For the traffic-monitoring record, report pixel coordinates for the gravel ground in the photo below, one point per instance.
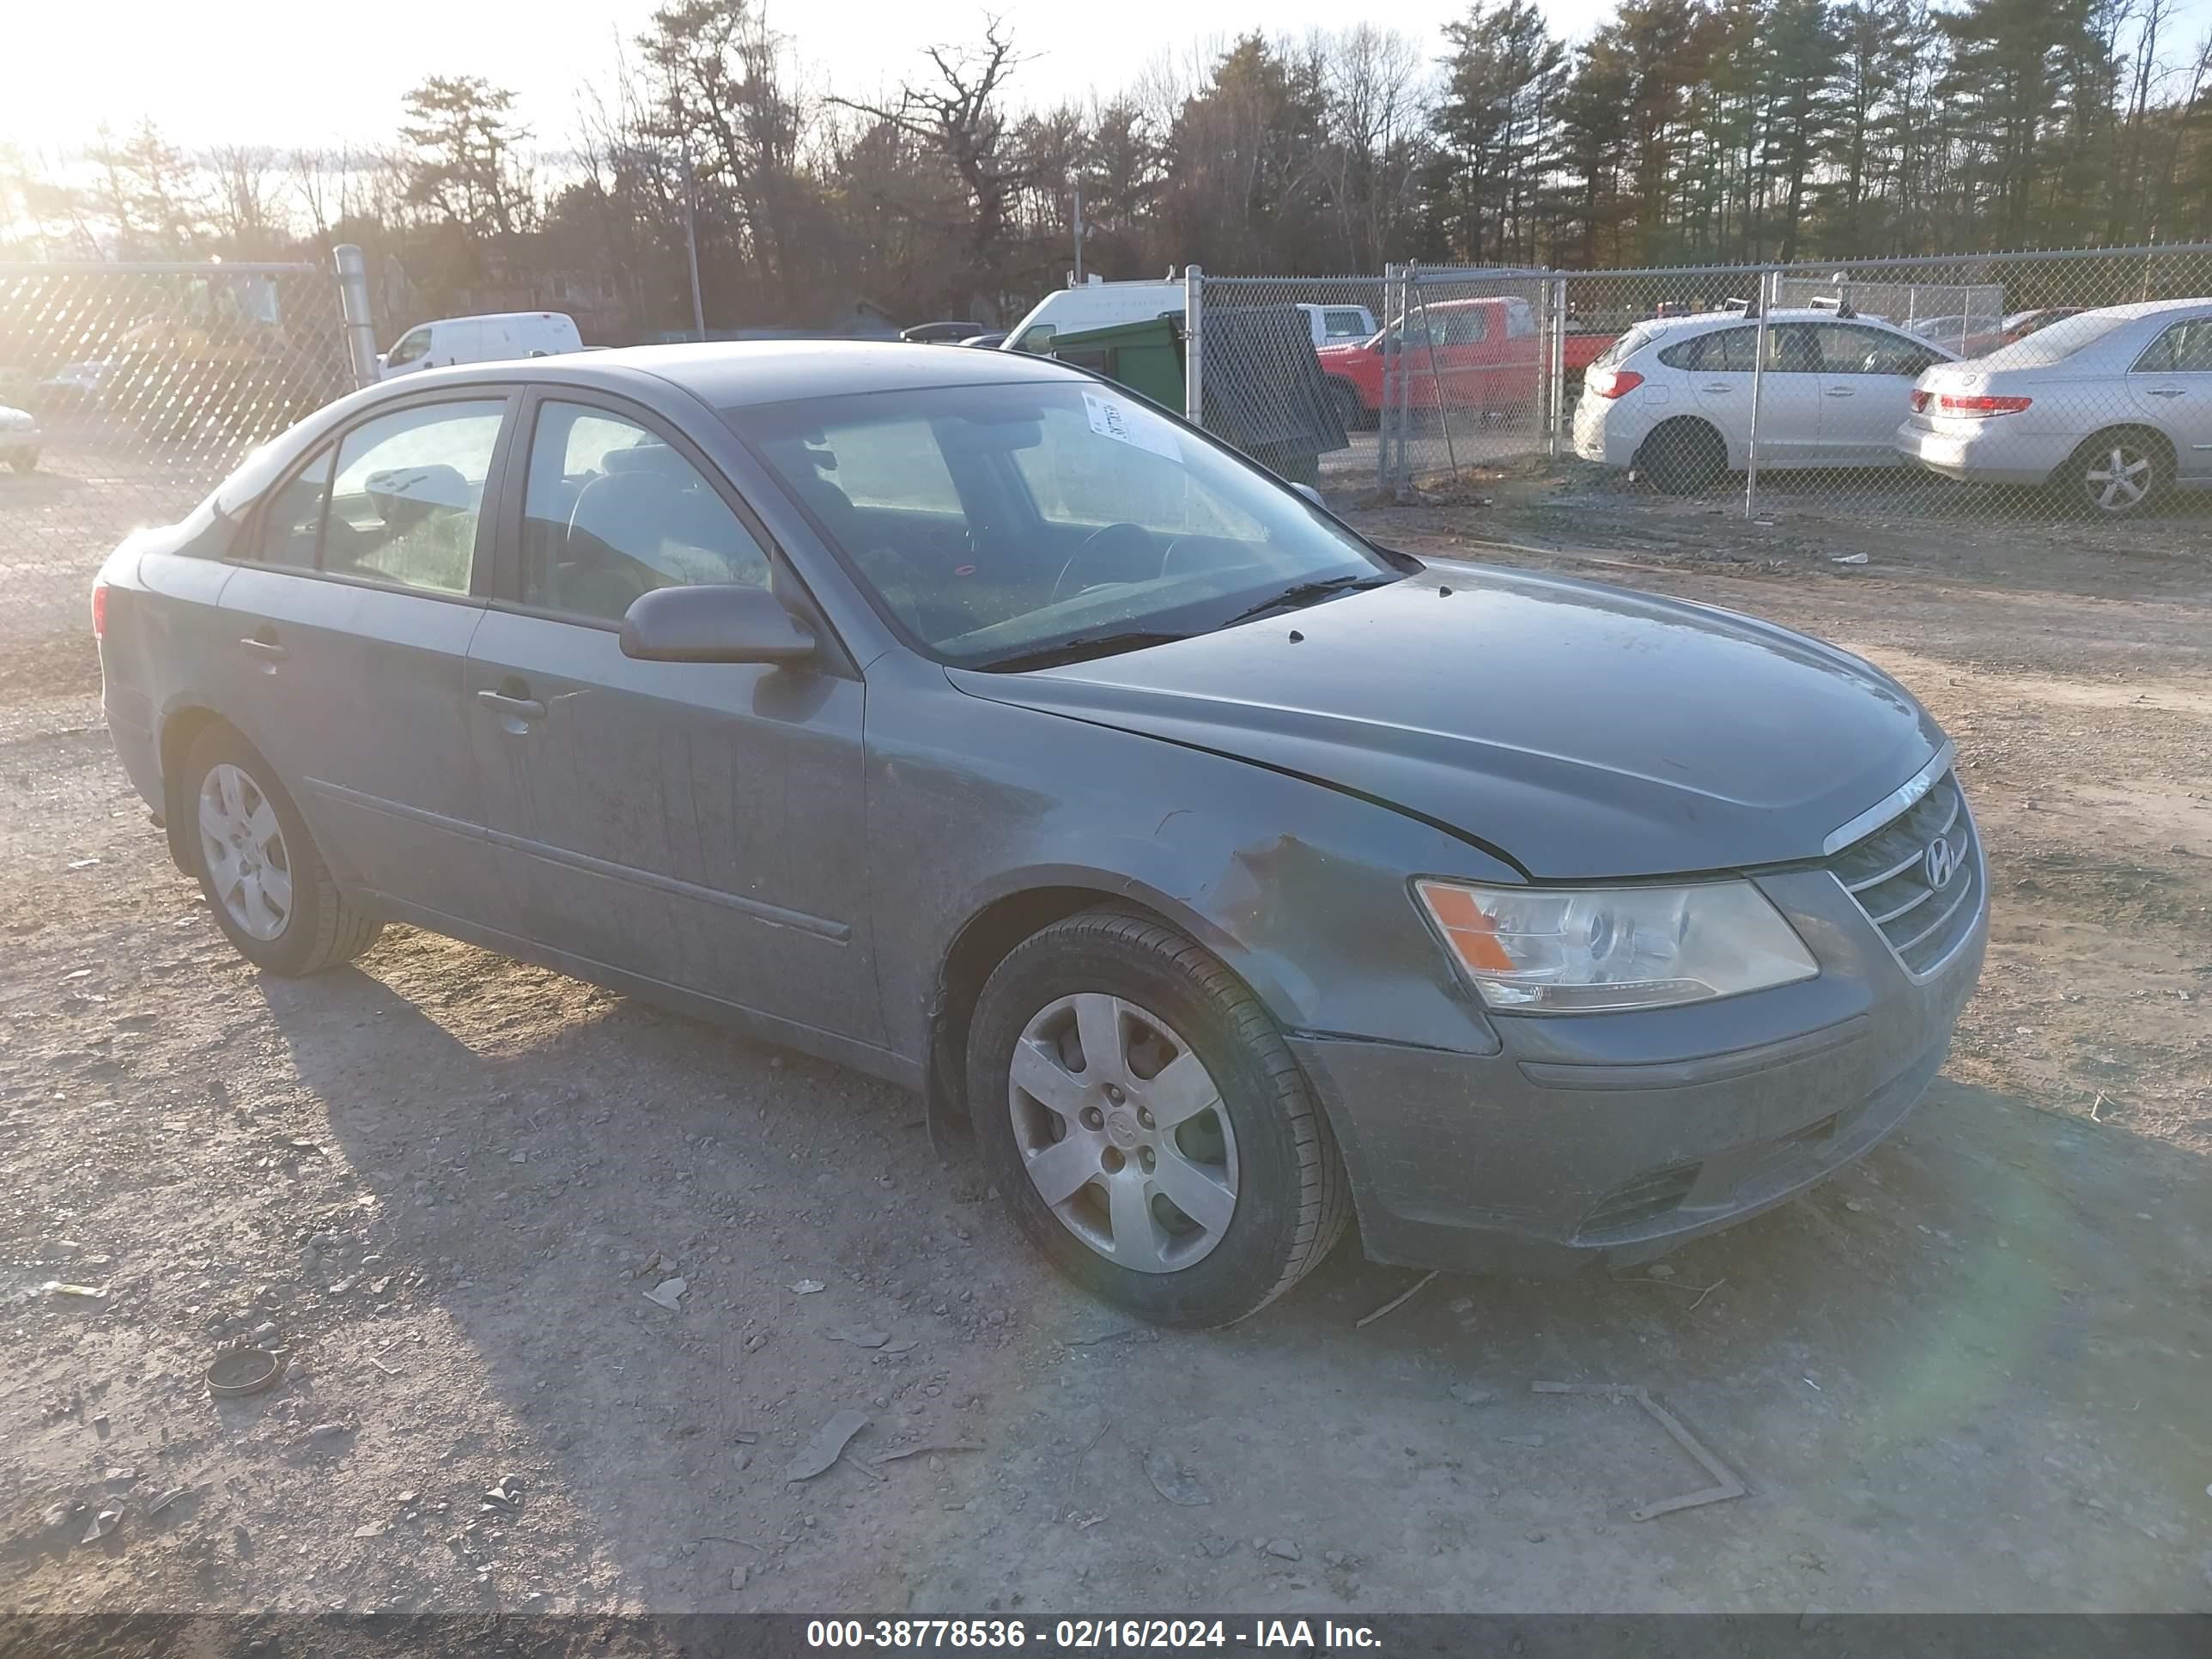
(1970, 1373)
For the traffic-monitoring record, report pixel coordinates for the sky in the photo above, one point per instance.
(331, 72)
(328, 72)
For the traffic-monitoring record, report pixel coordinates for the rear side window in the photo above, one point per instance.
(1635, 340)
(2184, 349)
(1720, 351)
(1685, 354)
(2056, 342)
(292, 519)
(1338, 324)
(408, 493)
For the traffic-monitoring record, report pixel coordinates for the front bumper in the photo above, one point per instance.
(1617, 1137)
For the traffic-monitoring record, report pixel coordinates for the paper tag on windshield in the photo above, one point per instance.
(1110, 419)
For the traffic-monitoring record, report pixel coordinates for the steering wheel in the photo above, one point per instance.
(1128, 543)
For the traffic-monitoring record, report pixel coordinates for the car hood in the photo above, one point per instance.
(1579, 731)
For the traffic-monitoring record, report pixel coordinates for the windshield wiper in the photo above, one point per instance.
(1304, 593)
(1079, 649)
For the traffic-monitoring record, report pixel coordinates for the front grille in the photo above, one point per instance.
(1650, 1196)
(1888, 872)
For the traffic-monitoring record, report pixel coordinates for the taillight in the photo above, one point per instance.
(1613, 382)
(99, 610)
(1920, 400)
(1980, 408)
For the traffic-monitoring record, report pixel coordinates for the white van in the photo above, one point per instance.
(493, 339)
(1103, 304)
(1094, 305)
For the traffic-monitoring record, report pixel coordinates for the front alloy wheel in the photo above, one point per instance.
(1122, 1132)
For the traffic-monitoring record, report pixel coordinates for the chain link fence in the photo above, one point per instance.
(1970, 390)
(129, 391)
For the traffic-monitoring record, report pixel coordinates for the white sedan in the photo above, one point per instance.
(1672, 397)
(2114, 406)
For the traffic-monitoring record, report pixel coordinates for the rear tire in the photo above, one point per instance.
(272, 894)
(1683, 457)
(1344, 398)
(2120, 474)
(1277, 1199)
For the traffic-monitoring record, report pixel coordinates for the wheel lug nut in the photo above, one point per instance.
(1114, 1094)
(1144, 1117)
(1093, 1118)
(1145, 1157)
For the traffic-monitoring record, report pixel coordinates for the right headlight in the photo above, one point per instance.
(1588, 949)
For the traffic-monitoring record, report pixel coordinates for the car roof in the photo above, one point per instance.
(734, 375)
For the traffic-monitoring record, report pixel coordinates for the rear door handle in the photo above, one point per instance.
(521, 708)
(1842, 392)
(267, 649)
(2166, 391)
(1723, 387)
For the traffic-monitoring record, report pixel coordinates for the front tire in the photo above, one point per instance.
(272, 894)
(2119, 474)
(1149, 1129)
(1350, 414)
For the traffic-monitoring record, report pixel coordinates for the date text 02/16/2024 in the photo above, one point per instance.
(1085, 1635)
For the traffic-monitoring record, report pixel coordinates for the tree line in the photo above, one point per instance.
(1679, 131)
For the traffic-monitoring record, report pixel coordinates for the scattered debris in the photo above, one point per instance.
(373, 1529)
(1659, 1270)
(1849, 558)
(1725, 1484)
(828, 1444)
(328, 1431)
(917, 1451)
(76, 1292)
(1283, 1549)
(668, 1294)
(1176, 1481)
(858, 1335)
(239, 1371)
(1395, 1302)
(102, 1524)
(806, 1287)
(1531, 1441)
(387, 1370)
(57, 1516)
(1468, 1394)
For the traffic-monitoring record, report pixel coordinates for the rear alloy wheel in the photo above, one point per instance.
(1147, 1124)
(1682, 457)
(272, 894)
(2117, 475)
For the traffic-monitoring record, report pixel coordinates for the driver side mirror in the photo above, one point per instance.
(726, 623)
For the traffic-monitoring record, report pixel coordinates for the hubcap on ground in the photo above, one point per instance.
(2118, 479)
(248, 862)
(1123, 1133)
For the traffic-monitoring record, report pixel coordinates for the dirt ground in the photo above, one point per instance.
(1970, 1373)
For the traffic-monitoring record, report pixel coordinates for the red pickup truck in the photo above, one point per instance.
(1484, 355)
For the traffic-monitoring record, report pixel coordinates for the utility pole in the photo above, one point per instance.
(1078, 235)
(691, 244)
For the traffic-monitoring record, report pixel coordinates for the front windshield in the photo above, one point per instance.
(1017, 525)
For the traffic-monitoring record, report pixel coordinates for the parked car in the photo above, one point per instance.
(19, 439)
(1484, 355)
(1672, 397)
(946, 334)
(975, 724)
(989, 341)
(2112, 406)
(1095, 304)
(73, 383)
(494, 337)
(1336, 325)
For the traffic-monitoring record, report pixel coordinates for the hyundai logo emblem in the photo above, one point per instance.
(1940, 862)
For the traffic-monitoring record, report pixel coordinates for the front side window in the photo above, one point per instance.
(1468, 327)
(611, 511)
(408, 493)
(292, 517)
(1791, 347)
(1081, 520)
(412, 346)
(1038, 338)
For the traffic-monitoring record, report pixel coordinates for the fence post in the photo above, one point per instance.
(1770, 285)
(1193, 344)
(1559, 364)
(353, 305)
(1401, 470)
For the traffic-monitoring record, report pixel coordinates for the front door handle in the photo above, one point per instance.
(268, 650)
(1716, 388)
(1841, 392)
(520, 708)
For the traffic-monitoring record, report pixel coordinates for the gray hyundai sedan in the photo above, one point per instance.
(962, 719)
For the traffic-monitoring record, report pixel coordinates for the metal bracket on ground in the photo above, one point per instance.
(1727, 1485)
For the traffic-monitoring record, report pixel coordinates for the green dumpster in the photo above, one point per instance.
(1147, 357)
